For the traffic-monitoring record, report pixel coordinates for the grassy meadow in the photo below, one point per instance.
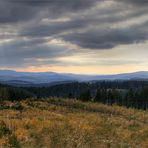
(58, 123)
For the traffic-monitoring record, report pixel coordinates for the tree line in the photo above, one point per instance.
(13, 93)
(129, 98)
(125, 93)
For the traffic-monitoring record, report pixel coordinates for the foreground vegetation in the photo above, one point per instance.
(58, 123)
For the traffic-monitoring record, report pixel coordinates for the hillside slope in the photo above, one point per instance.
(69, 123)
(47, 78)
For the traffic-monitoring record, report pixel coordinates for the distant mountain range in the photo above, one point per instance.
(51, 78)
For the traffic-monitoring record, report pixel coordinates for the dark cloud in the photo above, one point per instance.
(21, 51)
(60, 4)
(26, 26)
(12, 13)
(105, 37)
(21, 10)
(32, 48)
(79, 23)
(108, 38)
(50, 29)
(135, 2)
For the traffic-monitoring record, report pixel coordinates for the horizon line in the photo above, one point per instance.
(69, 72)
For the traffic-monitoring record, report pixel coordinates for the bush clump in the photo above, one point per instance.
(4, 130)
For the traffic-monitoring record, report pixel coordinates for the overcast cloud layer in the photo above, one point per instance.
(42, 32)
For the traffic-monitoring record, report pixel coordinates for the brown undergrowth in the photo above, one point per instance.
(58, 123)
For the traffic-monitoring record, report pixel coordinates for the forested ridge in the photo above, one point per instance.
(125, 93)
(13, 93)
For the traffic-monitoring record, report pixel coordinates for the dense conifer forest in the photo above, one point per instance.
(125, 93)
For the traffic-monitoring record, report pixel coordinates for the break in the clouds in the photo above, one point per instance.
(73, 33)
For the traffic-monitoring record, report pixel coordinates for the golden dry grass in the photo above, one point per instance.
(57, 123)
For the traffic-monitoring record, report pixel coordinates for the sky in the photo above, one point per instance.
(74, 36)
